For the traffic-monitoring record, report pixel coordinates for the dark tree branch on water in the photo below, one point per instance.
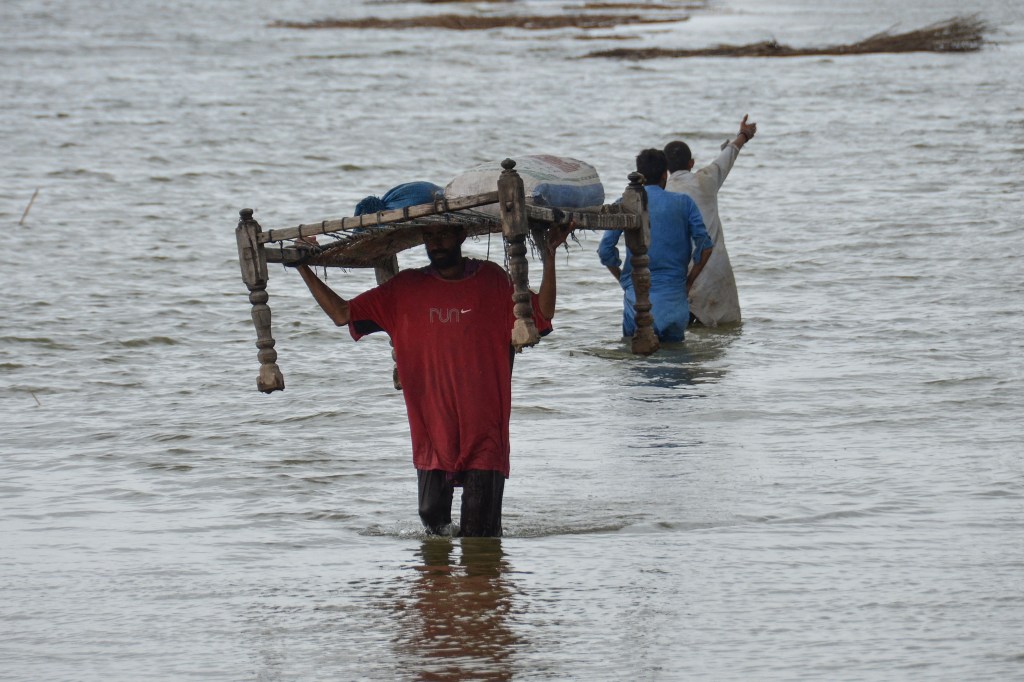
(960, 34)
(467, 22)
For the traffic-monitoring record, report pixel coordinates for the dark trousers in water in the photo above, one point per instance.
(481, 501)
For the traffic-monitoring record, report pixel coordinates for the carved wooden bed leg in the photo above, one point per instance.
(515, 227)
(634, 200)
(383, 272)
(253, 260)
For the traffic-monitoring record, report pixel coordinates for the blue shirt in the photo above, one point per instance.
(677, 235)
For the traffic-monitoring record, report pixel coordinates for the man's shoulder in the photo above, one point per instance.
(677, 197)
(657, 193)
(487, 270)
(487, 266)
(680, 178)
(406, 277)
(474, 268)
(401, 284)
(681, 182)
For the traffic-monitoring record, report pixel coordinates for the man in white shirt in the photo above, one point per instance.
(713, 296)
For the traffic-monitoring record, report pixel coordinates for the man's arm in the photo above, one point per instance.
(701, 242)
(720, 167)
(335, 306)
(746, 134)
(697, 267)
(609, 253)
(556, 236)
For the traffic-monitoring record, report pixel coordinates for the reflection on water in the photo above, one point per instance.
(685, 365)
(454, 618)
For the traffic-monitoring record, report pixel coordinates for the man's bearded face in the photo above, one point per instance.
(444, 245)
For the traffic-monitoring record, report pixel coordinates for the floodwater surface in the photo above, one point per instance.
(831, 490)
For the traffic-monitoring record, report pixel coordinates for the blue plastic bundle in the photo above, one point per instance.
(400, 196)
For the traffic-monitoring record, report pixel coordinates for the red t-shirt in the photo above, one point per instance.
(452, 341)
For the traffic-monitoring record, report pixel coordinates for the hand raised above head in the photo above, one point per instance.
(747, 130)
(558, 234)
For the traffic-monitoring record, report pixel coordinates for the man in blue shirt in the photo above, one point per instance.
(677, 234)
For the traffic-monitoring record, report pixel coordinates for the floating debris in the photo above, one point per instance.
(28, 208)
(638, 6)
(572, 8)
(466, 22)
(960, 34)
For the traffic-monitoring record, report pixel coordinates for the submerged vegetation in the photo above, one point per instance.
(960, 34)
(468, 22)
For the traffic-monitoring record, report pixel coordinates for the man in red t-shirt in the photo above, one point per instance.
(450, 323)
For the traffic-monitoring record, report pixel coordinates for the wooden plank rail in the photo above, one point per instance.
(586, 219)
(334, 254)
(352, 249)
(397, 215)
(607, 217)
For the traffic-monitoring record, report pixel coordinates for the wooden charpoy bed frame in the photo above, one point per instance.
(373, 240)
